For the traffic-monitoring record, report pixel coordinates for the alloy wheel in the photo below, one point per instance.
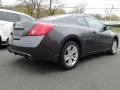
(114, 47)
(71, 55)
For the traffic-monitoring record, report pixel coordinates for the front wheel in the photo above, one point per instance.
(69, 55)
(114, 47)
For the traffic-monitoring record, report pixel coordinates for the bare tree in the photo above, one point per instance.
(98, 16)
(53, 6)
(79, 9)
(109, 12)
(33, 6)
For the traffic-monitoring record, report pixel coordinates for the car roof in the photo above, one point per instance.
(10, 11)
(62, 16)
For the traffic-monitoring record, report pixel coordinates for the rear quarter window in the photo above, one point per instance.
(61, 19)
(25, 18)
(81, 21)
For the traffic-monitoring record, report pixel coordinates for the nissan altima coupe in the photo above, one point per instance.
(62, 39)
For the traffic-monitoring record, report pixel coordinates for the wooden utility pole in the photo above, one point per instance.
(50, 7)
(1, 6)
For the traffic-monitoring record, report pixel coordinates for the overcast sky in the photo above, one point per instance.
(9, 2)
(89, 4)
(94, 3)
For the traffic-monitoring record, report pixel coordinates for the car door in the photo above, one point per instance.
(86, 36)
(98, 39)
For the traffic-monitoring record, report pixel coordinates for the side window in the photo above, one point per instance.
(81, 21)
(6, 16)
(25, 18)
(94, 24)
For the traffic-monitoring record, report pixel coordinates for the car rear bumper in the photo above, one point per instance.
(19, 53)
(38, 53)
(34, 47)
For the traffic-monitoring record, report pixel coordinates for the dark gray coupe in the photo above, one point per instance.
(62, 39)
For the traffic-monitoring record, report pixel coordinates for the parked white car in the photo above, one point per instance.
(7, 19)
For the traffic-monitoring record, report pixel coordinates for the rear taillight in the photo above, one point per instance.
(40, 29)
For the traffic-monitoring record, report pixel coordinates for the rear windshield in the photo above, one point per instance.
(53, 17)
(61, 19)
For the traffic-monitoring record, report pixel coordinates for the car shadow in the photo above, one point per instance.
(36, 66)
(3, 47)
(48, 67)
(94, 56)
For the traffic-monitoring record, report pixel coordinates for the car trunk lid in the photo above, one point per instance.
(21, 29)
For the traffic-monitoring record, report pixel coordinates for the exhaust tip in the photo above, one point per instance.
(30, 58)
(10, 51)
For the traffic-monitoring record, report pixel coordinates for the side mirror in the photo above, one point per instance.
(105, 28)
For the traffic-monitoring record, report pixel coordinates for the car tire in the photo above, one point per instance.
(7, 42)
(113, 48)
(69, 56)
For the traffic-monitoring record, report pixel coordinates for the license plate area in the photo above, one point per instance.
(17, 34)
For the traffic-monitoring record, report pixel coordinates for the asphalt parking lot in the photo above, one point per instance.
(97, 72)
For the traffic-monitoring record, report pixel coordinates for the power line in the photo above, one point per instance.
(92, 8)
